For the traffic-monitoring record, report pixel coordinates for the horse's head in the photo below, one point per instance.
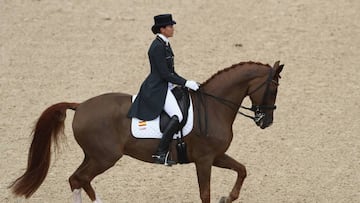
(262, 92)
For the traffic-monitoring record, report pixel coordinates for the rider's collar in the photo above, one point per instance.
(165, 39)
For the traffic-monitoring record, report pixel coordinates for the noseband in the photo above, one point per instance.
(259, 110)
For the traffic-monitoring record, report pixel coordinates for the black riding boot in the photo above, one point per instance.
(162, 153)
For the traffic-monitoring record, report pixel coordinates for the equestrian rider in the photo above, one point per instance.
(155, 92)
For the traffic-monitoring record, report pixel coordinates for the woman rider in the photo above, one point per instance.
(155, 92)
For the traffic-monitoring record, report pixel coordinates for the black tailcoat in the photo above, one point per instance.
(151, 98)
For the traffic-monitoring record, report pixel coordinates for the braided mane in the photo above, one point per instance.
(232, 67)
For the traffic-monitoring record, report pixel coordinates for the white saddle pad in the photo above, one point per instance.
(151, 129)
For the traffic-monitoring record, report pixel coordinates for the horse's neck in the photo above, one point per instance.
(232, 86)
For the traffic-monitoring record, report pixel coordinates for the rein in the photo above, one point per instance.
(230, 104)
(258, 109)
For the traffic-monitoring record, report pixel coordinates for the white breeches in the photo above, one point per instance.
(171, 106)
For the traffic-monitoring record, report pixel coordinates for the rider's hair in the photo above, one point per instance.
(156, 29)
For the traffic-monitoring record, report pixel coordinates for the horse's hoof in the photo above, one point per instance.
(225, 200)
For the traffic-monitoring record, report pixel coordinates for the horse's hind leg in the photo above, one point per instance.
(75, 183)
(226, 161)
(87, 171)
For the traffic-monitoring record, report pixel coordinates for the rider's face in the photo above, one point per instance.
(167, 31)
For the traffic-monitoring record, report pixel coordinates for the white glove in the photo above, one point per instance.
(192, 85)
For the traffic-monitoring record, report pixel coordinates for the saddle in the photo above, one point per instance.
(182, 97)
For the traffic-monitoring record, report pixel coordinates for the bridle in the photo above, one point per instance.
(259, 109)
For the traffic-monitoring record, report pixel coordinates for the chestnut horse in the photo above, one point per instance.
(102, 129)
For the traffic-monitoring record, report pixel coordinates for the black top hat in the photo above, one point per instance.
(162, 21)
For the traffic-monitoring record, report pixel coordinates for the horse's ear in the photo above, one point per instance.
(276, 65)
(278, 68)
(278, 71)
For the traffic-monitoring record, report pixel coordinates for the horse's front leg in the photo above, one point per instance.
(203, 170)
(226, 161)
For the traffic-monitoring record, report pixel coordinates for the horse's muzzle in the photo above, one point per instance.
(262, 120)
(264, 125)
